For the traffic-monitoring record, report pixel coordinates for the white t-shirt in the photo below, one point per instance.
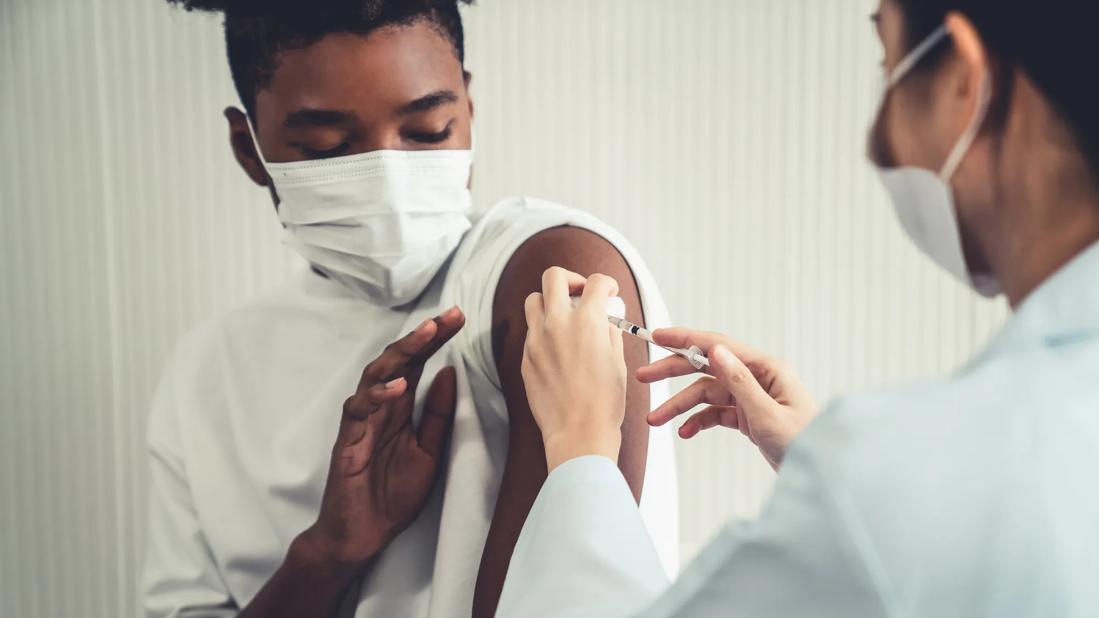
(244, 420)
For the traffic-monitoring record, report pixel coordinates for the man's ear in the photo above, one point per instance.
(244, 149)
(468, 77)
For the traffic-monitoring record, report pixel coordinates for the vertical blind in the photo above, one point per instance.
(724, 137)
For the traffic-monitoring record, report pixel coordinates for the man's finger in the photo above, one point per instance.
(449, 323)
(414, 369)
(397, 354)
(705, 390)
(361, 405)
(439, 406)
(414, 348)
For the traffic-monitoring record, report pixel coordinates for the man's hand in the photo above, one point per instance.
(381, 473)
(383, 468)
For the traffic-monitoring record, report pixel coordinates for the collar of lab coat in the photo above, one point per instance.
(1063, 310)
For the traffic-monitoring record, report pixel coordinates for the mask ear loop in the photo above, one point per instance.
(255, 141)
(905, 66)
(984, 101)
(899, 72)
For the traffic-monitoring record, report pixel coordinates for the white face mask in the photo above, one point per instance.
(924, 201)
(381, 223)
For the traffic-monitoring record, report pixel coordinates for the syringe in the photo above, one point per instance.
(616, 310)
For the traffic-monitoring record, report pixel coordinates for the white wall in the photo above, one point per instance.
(723, 136)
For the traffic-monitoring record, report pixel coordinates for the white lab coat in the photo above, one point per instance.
(973, 496)
(244, 420)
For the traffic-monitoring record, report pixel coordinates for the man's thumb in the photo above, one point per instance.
(438, 413)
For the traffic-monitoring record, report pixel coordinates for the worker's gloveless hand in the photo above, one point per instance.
(383, 468)
(573, 367)
(746, 390)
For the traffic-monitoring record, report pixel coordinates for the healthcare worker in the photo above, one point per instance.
(974, 495)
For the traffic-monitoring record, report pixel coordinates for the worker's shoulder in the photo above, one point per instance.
(1017, 390)
(938, 477)
(966, 441)
(926, 431)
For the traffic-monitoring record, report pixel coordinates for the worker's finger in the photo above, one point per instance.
(597, 291)
(669, 367)
(735, 376)
(557, 285)
(713, 416)
(438, 412)
(685, 338)
(617, 345)
(706, 390)
(535, 311)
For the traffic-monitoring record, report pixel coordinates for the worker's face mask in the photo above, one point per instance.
(382, 223)
(924, 201)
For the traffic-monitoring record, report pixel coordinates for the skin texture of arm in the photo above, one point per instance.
(586, 253)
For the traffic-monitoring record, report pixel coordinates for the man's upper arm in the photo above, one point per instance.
(586, 253)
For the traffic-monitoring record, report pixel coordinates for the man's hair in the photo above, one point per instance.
(257, 31)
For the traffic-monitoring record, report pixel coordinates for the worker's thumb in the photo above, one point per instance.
(735, 376)
(438, 413)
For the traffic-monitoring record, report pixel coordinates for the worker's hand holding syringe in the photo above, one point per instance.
(575, 376)
(745, 390)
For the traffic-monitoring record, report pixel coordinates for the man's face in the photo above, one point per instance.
(399, 88)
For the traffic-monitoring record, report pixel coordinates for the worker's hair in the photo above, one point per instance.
(257, 31)
(1052, 42)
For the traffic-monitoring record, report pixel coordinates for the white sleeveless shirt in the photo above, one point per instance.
(244, 419)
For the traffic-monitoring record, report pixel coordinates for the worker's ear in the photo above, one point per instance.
(971, 72)
(244, 149)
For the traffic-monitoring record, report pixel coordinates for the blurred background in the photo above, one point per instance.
(724, 137)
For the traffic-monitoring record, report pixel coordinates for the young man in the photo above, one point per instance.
(357, 119)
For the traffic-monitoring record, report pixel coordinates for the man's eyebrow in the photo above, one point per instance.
(309, 117)
(428, 102)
